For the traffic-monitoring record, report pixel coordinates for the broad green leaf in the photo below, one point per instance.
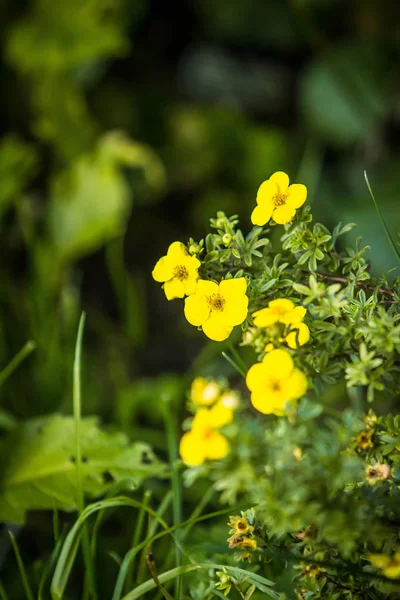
(40, 472)
(91, 201)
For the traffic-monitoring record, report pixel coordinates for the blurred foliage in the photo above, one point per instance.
(123, 127)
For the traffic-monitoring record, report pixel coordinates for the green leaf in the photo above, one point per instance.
(91, 201)
(40, 472)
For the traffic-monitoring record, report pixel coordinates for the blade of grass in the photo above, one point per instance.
(21, 568)
(16, 361)
(119, 586)
(171, 426)
(395, 249)
(3, 593)
(237, 357)
(71, 544)
(138, 533)
(89, 583)
(233, 364)
(261, 583)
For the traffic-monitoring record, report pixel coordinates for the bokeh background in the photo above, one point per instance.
(125, 125)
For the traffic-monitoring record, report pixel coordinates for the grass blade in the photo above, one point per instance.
(3, 593)
(71, 544)
(16, 361)
(21, 567)
(392, 243)
(145, 587)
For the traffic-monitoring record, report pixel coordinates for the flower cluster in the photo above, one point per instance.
(243, 534)
(281, 322)
(214, 408)
(275, 383)
(217, 308)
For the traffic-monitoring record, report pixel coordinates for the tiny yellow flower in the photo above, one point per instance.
(274, 382)
(269, 347)
(390, 566)
(277, 199)
(178, 271)
(204, 392)
(298, 336)
(239, 526)
(281, 310)
(218, 308)
(230, 399)
(202, 442)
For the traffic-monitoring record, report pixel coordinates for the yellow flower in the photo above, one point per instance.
(269, 347)
(277, 199)
(239, 526)
(281, 310)
(178, 271)
(204, 392)
(298, 336)
(202, 442)
(274, 382)
(218, 308)
(390, 566)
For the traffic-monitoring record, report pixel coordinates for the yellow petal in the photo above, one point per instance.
(299, 336)
(278, 364)
(281, 180)
(255, 377)
(177, 251)
(201, 422)
(163, 271)
(207, 288)
(295, 386)
(217, 446)
(281, 305)
(190, 285)
(266, 192)
(215, 327)
(174, 289)
(268, 402)
(265, 317)
(261, 214)
(220, 415)
(191, 449)
(296, 195)
(196, 309)
(294, 316)
(235, 310)
(231, 288)
(283, 214)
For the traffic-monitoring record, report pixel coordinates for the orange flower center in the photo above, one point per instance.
(276, 386)
(180, 272)
(279, 199)
(216, 302)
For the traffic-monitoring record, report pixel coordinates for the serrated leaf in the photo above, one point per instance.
(40, 471)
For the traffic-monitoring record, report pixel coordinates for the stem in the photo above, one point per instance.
(21, 567)
(151, 565)
(16, 361)
(89, 586)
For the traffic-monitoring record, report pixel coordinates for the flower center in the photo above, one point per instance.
(216, 302)
(279, 199)
(180, 272)
(276, 386)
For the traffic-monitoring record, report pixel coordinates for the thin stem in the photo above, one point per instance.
(237, 356)
(3, 593)
(16, 361)
(388, 234)
(151, 565)
(89, 588)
